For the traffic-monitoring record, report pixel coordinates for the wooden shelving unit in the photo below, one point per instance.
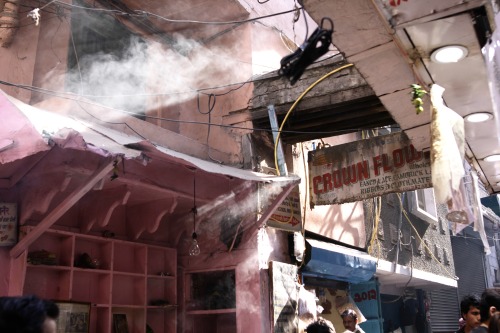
(210, 300)
(135, 279)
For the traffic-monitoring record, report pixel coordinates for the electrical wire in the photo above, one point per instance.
(47, 4)
(110, 122)
(76, 57)
(429, 251)
(211, 105)
(76, 98)
(142, 13)
(407, 282)
(377, 203)
(293, 107)
(192, 91)
(306, 192)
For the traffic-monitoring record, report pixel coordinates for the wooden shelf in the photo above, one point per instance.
(127, 306)
(91, 270)
(162, 307)
(126, 280)
(104, 306)
(115, 273)
(49, 267)
(205, 312)
(159, 277)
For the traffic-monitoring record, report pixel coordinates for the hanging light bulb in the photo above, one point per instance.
(194, 248)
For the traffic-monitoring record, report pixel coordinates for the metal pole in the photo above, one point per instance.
(274, 126)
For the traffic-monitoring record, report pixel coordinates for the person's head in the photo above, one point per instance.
(350, 319)
(320, 326)
(490, 303)
(469, 309)
(27, 314)
(494, 326)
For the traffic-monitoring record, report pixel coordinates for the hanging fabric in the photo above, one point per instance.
(447, 158)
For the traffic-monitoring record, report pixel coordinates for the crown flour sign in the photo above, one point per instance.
(367, 168)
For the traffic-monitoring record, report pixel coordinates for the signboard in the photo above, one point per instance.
(8, 224)
(284, 291)
(287, 215)
(367, 168)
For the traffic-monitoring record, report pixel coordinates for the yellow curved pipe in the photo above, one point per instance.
(295, 104)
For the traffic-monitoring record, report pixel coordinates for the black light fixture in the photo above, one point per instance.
(194, 248)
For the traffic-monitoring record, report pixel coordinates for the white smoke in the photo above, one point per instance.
(149, 75)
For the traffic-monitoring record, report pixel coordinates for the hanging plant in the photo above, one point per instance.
(417, 92)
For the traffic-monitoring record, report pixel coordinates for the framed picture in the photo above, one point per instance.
(8, 224)
(74, 317)
(120, 323)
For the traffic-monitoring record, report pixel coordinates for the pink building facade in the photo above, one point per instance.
(116, 149)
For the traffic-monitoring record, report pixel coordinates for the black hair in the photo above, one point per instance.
(25, 314)
(467, 302)
(490, 297)
(320, 326)
(494, 326)
(350, 312)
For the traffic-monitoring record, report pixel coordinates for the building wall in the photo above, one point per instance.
(411, 251)
(192, 81)
(38, 57)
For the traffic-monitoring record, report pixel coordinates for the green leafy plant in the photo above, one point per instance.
(417, 92)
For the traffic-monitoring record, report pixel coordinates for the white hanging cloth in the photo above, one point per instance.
(478, 212)
(447, 147)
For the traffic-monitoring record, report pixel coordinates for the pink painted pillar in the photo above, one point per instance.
(248, 296)
(4, 270)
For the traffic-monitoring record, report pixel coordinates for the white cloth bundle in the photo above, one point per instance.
(447, 147)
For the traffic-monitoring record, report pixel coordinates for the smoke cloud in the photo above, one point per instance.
(148, 75)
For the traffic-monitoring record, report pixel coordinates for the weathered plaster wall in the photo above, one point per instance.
(410, 252)
(252, 284)
(221, 57)
(52, 54)
(18, 60)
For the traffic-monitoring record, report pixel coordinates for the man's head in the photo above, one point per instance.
(27, 314)
(490, 303)
(350, 319)
(469, 309)
(320, 326)
(494, 325)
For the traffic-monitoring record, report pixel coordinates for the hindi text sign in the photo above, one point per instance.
(8, 224)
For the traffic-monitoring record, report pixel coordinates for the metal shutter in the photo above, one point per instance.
(469, 259)
(444, 310)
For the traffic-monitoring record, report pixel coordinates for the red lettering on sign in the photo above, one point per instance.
(337, 179)
(316, 182)
(377, 163)
(398, 158)
(365, 296)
